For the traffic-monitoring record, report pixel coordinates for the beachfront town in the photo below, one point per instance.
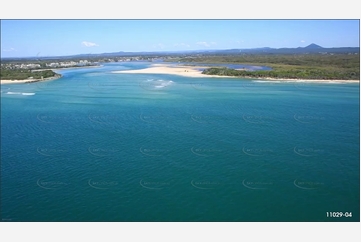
(42, 65)
(56, 63)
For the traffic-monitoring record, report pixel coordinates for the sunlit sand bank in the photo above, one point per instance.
(28, 80)
(182, 70)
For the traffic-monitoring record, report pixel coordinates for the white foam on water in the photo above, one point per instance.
(268, 81)
(21, 93)
(14, 93)
(159, 83)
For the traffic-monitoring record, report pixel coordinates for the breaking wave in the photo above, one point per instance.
(152, 84)
(21, 93)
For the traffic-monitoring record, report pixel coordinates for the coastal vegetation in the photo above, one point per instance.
(22, 74)
(293, 66)
(330, 66)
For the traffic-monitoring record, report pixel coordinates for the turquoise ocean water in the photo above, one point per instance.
(99, 146)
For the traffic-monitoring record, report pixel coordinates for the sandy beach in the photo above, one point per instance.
(12, 81)
(193, 71)
(29, 80)
(182, 70)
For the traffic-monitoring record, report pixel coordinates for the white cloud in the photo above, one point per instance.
(8, 50)
(203, 43)
(181, 45)
(206, 44)
(159, 46)
(302, 41)
(88, 44)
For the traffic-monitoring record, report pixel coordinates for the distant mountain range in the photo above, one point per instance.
(310, 49)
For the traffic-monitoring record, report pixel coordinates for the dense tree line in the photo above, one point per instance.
(22, 74)
(343, 60)
(315, 66)
(286, 73)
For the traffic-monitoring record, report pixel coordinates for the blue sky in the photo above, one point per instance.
(23, 38)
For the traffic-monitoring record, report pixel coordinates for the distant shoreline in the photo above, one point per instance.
(75, 67)
(192, 71)
(64, 68)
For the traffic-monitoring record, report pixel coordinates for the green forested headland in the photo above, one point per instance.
(22, 74)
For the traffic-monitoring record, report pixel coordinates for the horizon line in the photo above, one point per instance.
(177, 51)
